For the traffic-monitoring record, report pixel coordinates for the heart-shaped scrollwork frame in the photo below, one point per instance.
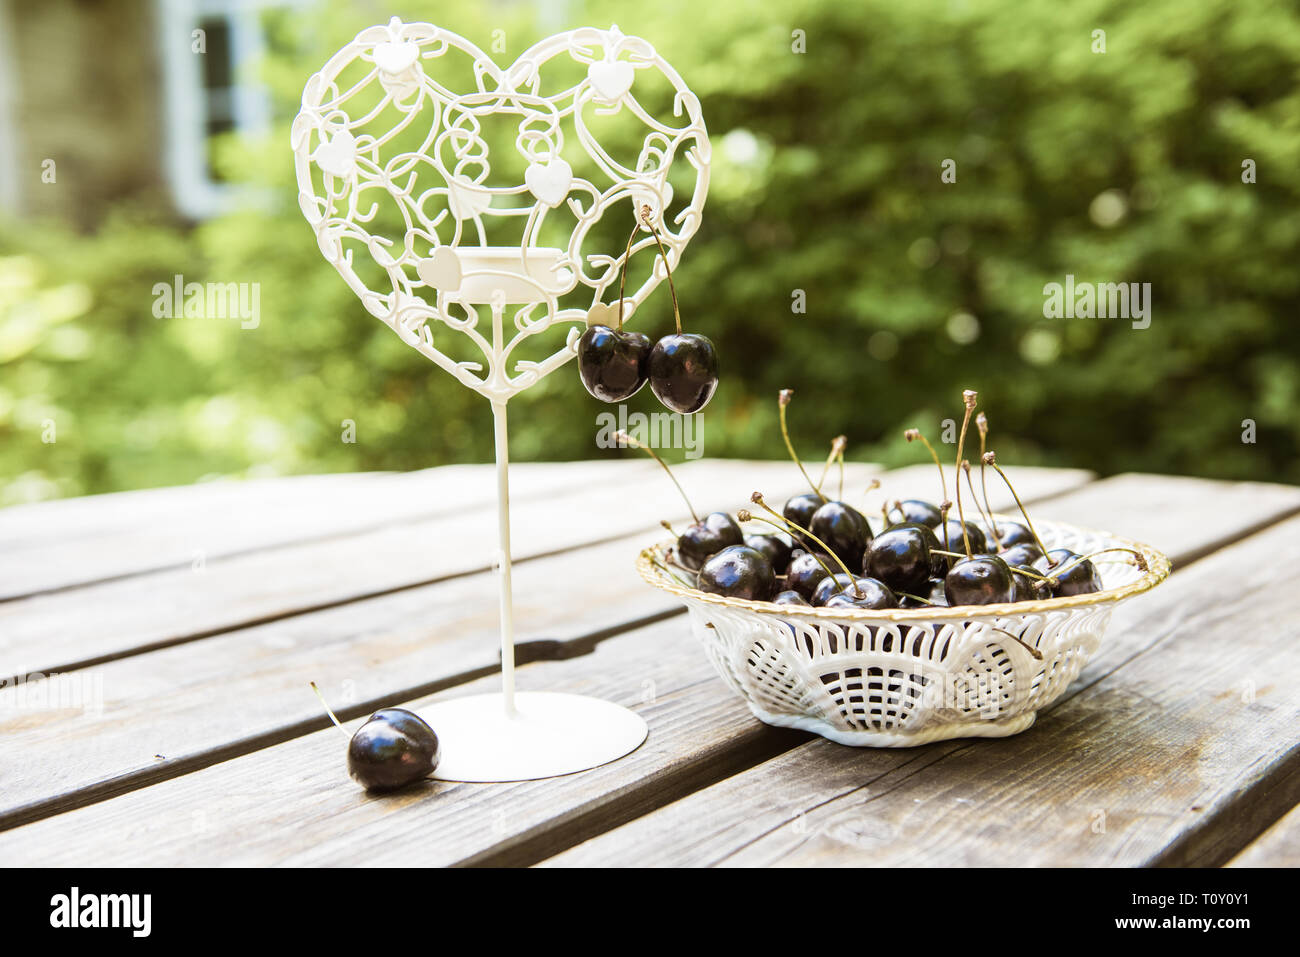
(439, 266)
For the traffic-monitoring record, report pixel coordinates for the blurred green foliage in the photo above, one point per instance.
(1123, 166)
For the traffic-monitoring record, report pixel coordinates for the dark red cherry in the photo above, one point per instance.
(1026, 553)
(776, 548)
(738, 571)
(1071, 575)
(982, 580)
(844, 529)
(1027, 587)
(613, 363)
(1013, 533)
(866, 593)
(706, 537)
(900, 557)
(394, 748)
(830, 585)
(937, 593)
(951, 529)
(799, 511)
(790, 597)
(805, 573)
(683, 370)
(914, 510)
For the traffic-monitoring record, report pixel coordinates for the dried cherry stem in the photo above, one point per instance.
(1038, 655)
(622, 273)
(987, 516)
(969, 398)
(914, 434)
(944, 508)
(757, 499)
(669, 572)
(837, 451)
(330, 711)
(1141, 562)
(645, 218)
(990, 458)
(624, 437)
(908, 594)
(745, 515)
(982, 423)
(782, 400)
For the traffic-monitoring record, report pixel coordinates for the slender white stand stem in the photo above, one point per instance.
(503, 559)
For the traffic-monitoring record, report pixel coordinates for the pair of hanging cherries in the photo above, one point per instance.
(615, 363)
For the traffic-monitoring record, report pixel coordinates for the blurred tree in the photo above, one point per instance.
(1122, 166)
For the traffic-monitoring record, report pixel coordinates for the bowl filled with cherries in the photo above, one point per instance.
(918, 621)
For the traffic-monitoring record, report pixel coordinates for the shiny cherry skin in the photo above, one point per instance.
(844, 529)
(799, 511)
(982, 580)
(775, 547)
(829, 586)
(1069, 576)
(867, 593)
(805, 573)
(952, 530)
(708, 536)
(683, 371)
(791, 597)
(738, 571)
(613, 363)
(1026, 553)
(394, 748)
(1027, 587)
(915, 510)
(1013, 533)
(900, 557)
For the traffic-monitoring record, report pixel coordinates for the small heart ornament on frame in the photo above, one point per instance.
(398, 180)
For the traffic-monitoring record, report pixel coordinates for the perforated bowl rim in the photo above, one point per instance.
(1158, 567)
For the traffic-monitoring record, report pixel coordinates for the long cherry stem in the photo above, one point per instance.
(757, 499)
(645, 218)
(745, 515)
(1080, 559)
(622, 273)
(982, 423)
(914, 435)
(837, 451)
(330, 711)
(969, 398)
(782, 400)
(987, 516)
(1038, 655)
(624, 437)
(991, 458)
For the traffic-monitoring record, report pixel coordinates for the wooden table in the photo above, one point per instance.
(186, 624)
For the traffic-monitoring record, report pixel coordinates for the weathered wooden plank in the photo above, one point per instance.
(1279, 846)
(1179, 739)
(59, 545)
(177, 701)
(283, 804)
(49, 632)
(499, 824)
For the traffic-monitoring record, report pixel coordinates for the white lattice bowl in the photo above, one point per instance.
(899, 678)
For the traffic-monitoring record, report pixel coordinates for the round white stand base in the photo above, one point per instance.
(550, 734)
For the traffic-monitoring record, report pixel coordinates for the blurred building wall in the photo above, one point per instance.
(82, 87)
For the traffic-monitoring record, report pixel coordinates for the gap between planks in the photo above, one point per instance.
(382, 641)
(1165, 504)
(1182, 771)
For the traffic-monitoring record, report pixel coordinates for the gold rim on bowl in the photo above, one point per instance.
(1157, 570)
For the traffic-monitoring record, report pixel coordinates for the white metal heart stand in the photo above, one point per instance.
(347, 166)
